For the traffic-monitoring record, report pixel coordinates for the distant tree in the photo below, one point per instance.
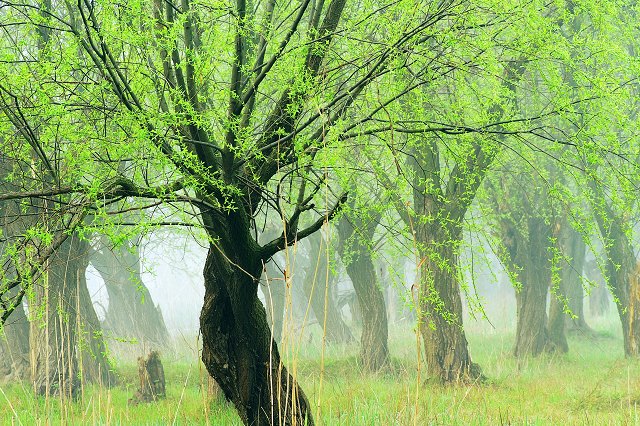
(356, 230)
(132, 313)
(319, 282)
(524, 221)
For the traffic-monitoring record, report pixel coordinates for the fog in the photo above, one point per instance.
(172, 266)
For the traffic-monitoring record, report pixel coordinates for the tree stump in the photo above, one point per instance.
(151, 375)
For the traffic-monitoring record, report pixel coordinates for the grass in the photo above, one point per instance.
(592, 384)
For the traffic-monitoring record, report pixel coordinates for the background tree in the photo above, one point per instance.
(525, 225)
(319, 282)
(132, 313)
(356, 231)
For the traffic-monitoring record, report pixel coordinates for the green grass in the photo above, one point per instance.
(592, 384)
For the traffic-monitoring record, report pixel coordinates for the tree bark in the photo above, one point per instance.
(532, 265)
(237, 347)
(440, 317)
(314, 286)
(356, 255)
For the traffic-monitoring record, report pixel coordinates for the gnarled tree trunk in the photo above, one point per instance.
(237, 347)
(440, 317)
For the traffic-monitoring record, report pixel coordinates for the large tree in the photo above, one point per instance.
(229, 114)
(223, 111)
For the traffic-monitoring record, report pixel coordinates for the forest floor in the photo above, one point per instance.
(592, 384)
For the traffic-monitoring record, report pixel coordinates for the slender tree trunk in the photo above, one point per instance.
(132, 313)
(315, 287)
(374, 350)
(237, 347)
(445, 343)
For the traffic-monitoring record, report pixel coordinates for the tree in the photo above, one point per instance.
(132, 313)
(61, 341)
(319, 280)
(356, 232)
(606, 151)
(14, 341)
(524, 223)
(205, 116)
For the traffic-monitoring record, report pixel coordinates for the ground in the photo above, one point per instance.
(592, 384)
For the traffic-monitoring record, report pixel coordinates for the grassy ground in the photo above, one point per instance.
(592, 384)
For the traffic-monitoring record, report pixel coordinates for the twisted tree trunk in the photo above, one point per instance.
(237, 347)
